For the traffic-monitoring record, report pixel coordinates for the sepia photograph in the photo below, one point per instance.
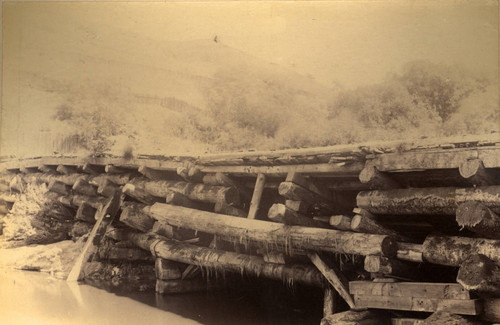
(250, 162)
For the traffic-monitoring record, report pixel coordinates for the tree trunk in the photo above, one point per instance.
(437, 201)
(479, 273)
(292, 237)
(453, 251)
(479, 219)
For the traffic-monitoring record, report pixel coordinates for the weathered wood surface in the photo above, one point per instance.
(154, 174)
(86, 213)
(438, 201)
(133, 216)
(82, 186)
(473, 170)
(462, 307)
(224, 208)
(481, 274)
(360, 223)
(409, 252)
(329, 301)
(257, 195)
(371, 176)
(280, 213)
(230, 261)
(67, 169)
(453, 251)
(139, 194)
(59, 187)
(479, 219)
(268, 232)
(409, 289)
(334, 278)
(491, 310)
(387, 266)
(107, 187)
(104, 218)
(167, 270)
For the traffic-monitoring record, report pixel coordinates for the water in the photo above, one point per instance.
(36, 298)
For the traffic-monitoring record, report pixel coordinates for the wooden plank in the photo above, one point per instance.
(461, 307)
(104, 218)
(332, 277)
(409, 289)
(257, 195)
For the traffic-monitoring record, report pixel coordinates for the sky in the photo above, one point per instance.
(346, 42)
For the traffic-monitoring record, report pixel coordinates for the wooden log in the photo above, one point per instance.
(280, 213)
(275, 257)
(71, 178)
(66, 201)
(107, 188)
(296, 192)
(165, 287)
(365, 317)
(341, 222)
(479, 219)
(473, 170)
(83, 187)
(257, 195)
(269, 232)
(462, 307)
(332, 275)
(59, 187)
(86, 213)
(329, 301)
(167, 270)
(297, 206)
(112, 169)
(133, 216)
(491, 310)
(118, 179)
(409, 252)
(224, 208)
(436, 201)
(224, 180)
(47, 169)
(66, 169)
(94, 201)
(28, 170)
(195, 175)
(92, 169)
(176, 198)
(155, 174)
(374, 178)
(80, 228)
(389, 266)
(300, 180)
(17, 184)
(365, 225)
(453, 251)
(452, 291)
(122, 254)
(481, 274)
(230, 261)
(139, 194)
(183, 172)
(104, 217)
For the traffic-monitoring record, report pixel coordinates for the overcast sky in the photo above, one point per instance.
(349, 42)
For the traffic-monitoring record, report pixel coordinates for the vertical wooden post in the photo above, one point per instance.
(257, 195)
(329, 303)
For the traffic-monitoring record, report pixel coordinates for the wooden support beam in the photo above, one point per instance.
(118, 179)
(481, 274)
(257, 195)
(389, 266)
(167, 270)
(94, 201)
(133, 216)
(434, 201)
(332, 277)
(280, 213)
(104, 218)
(155, 174)
(341, 222)
(83, 187)
(409, 289)
(212, 258)
(329, 301)
(453, 251)
(376, 179)
(293, 237)
(473, 170)
(479, 219)
(462, 307)
(86, 213)
(66, 169)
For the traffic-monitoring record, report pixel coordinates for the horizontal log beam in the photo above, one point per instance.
(409, 289)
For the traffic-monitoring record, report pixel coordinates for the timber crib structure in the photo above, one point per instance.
(417, 221)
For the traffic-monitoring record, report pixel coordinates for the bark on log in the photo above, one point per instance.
(167, 270)
(437, 201)
(139, 194)
(481, 274)
(83, 187)
(453, 251)
(410, 252)
(473, 170)
(176, 198)
(59, 187)
(272, 233)
(206, 257)
(133, 216)
(71, 178)
(329, 301)
(280, 213)
(86, 213)
(224, 208)
(341, 222)
(371, 176)
(366, 225)
(171, 232)
(122, 254)
(479, 219)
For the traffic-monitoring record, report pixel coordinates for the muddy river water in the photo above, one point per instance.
(37, 298)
